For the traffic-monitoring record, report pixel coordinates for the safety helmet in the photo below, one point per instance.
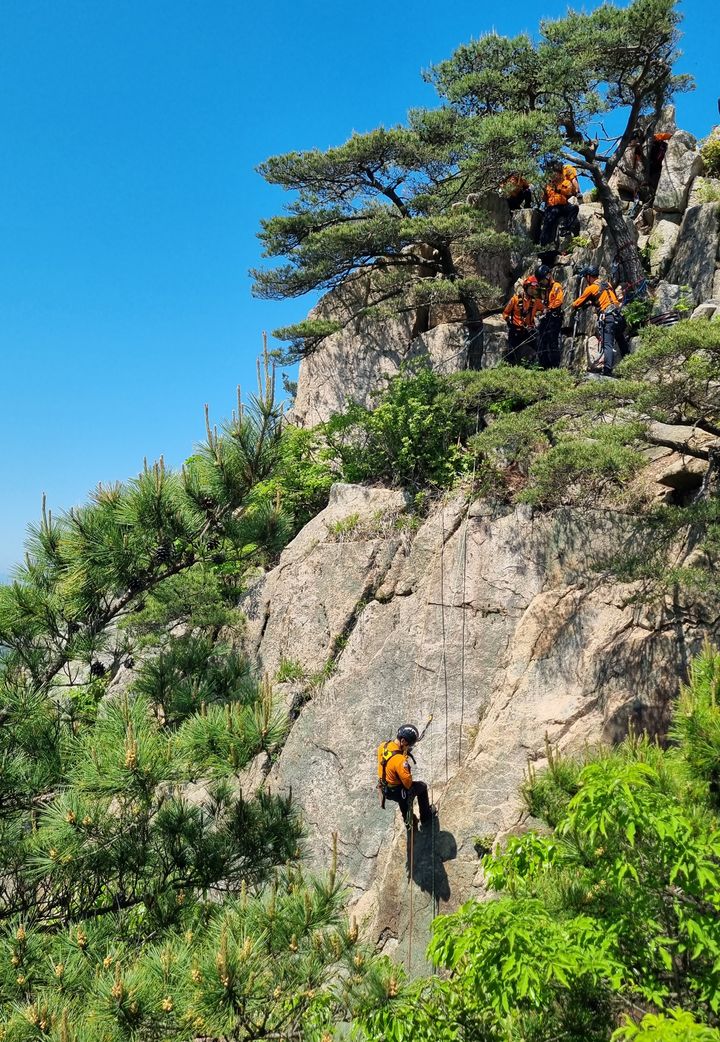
(542, 271)
(409, 733)
(590, 270)
(530, 281)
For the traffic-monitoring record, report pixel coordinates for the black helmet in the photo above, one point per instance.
(542, 271)
(590, 269)
(409, 733)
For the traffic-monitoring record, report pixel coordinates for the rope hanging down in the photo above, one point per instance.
(442, 670)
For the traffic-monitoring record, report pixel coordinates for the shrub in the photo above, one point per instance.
(413, 437)
(710, 152)
(289, 669)
(192, 672)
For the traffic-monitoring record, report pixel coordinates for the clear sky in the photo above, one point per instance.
(129, 203)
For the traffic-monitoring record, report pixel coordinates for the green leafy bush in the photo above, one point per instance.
(611, 910)
(412, 437)
(710, 152)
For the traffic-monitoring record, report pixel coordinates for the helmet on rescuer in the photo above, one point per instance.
(589, 271)
(542, 271)
(409, 733)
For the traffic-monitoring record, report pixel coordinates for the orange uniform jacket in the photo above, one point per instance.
(522, 311)
(397, 768)
(553, 296)
(600, 293)
(558, 191)
(514, 184)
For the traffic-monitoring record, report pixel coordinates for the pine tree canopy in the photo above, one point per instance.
(385, 202)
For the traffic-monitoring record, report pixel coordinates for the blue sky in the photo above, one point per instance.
(129, 203)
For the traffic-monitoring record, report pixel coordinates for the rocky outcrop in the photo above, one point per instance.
(697, 251)
(355, 364)
(662, 241)
(500, 625)
(303, 606)
(679, 230)
(681, 164)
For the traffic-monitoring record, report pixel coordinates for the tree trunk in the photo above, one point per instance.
(628, 253)
(474, 334)
(473, 314)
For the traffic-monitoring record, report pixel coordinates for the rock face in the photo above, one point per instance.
(662, 241)
(499, 626)
(354, 364)
(681, 164)
(696, 251)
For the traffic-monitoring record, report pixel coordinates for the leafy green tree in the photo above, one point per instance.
(580, 68)
(612, 912)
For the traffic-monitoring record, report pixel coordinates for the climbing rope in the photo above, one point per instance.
(462, 598)
(442, 671)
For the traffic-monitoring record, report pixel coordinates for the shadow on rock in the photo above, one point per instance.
(431, 849)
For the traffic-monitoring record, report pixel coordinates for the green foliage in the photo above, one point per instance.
(289, 670)
(300, 482)
(578, 471)
(278, 962)
(203, 597)
(384, 217)
(94, 566)
(581, 65)
(410, 438)
(612, 909)
(696, 724)
(191, 672)
(636, 313)
(344, 526)
(707, 192)
(140, 893)
(710, 152)
(539, 437)
(678, 366)
(675, 1026)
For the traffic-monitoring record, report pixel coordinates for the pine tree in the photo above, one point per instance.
(384, 203)
(390, 204)
(613, 60)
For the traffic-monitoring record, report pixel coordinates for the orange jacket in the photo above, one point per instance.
(600, 293)
(552, 296)
(397, 767)
(559, 189)
(514, 185)
(522, 311)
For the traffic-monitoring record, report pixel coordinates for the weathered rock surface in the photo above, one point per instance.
(696, 250)
(681, 164)
(354, 364)
(298, 610)
(499, 625)
(667, 295)
(494, 341)
(708, 309)
(662, 241)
